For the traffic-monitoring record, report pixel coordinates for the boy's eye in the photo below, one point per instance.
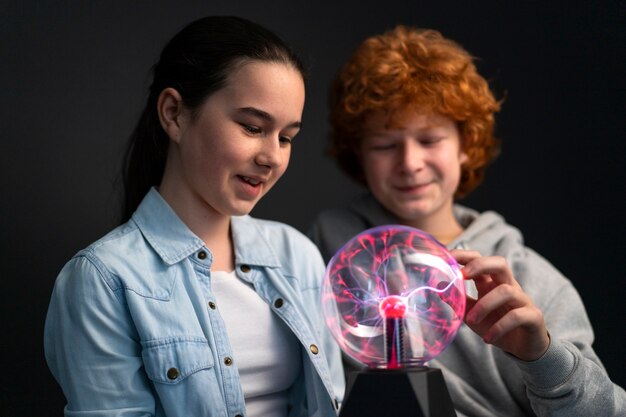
(382, 146)
(285, 140)
(431, 140)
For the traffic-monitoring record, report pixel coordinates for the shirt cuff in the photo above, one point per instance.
(554, 368)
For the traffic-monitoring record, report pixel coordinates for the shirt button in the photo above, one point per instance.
(278, 303)
(202, 255)
(228, 361)
(314, 349)
(244, 268)
(172, 373)
(212, 305)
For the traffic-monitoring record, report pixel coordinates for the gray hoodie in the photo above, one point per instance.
(568, 380)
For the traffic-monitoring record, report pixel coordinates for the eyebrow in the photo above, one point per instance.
(420, 130)
(252, 111)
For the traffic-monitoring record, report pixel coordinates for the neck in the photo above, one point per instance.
(442, 226)
(206, 223)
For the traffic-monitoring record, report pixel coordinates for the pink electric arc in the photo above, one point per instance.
(393, 297)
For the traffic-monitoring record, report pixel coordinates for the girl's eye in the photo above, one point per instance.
(254, 130)
(285, 140)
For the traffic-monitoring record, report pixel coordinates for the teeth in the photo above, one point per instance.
(250, 180)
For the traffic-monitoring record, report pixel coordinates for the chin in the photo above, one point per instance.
(236, 212)
(242, 210)
(411, 216)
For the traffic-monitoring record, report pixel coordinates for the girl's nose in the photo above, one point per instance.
(270, 153)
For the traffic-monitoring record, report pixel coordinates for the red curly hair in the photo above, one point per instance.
(415, 69)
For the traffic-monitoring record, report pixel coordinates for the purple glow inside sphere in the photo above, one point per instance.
(393, 297)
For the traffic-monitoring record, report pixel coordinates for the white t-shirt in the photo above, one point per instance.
(266, 352)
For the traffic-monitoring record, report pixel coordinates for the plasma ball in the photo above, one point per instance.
(393, 297)
(392, 307)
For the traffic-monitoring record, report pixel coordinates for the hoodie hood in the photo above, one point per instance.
(487, 233)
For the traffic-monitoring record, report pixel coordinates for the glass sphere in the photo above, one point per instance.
(393, 296)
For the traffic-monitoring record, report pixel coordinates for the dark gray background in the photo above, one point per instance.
(74, 77)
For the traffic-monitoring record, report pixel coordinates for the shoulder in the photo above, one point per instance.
(487, 232)
(541, 280)
(338, 223)
(118, 249)
(88, 273)
(333, 228)
(122, 259)
(491, 235)
(363, 212)
(115, 243)
(107, 249)
(331, 218)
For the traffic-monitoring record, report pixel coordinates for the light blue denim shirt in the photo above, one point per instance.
(133, 328)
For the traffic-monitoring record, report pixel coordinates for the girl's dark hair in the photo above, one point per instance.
(196, 62)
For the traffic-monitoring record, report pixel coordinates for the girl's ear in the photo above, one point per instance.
(170, 108)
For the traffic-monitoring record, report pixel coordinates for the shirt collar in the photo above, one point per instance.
(164, 230)
(252, 245)
(375, 214)
(174, 241)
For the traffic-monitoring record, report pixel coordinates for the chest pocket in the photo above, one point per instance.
(172, 360)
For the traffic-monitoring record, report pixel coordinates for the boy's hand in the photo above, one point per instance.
(503, 315)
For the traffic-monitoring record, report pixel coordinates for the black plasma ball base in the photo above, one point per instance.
(419, 392)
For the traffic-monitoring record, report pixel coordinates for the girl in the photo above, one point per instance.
(191, 307)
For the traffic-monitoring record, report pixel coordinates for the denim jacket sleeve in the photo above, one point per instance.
(92, 347)
(116, 350)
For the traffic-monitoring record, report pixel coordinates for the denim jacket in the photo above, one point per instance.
(133, 328)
